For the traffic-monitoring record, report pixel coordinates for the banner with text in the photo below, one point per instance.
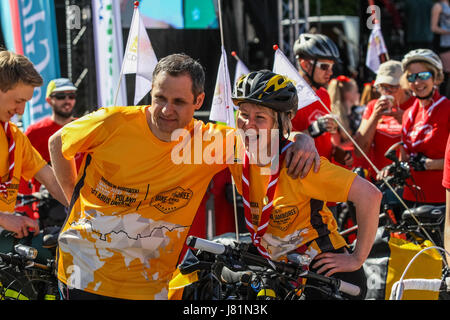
(108, 52)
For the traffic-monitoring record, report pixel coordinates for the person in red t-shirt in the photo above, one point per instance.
(316, 55)
(446, 185)
(425, 128)
(61, 96)
(382, 119)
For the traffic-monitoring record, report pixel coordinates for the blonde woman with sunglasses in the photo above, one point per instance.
(425, 127)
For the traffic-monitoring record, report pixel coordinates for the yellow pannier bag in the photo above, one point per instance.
(428, 265)
(179, 281)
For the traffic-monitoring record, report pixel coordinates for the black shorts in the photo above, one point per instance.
(357, 278)
(67, 293)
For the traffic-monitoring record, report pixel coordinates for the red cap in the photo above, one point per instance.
(136, 4)
(275, 47)
(343, 78)
(233, 53)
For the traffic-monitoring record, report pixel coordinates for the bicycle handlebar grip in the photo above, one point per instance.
(349, 288)
(205, 245)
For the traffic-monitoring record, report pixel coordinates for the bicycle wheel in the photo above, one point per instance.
(15, 285)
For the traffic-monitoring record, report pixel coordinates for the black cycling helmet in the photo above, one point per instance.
(266, 88)
(316, 46)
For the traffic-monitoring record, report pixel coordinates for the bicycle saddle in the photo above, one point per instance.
(50, 238)
(425, 214)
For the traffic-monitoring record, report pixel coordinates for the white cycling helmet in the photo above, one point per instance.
(422, 55)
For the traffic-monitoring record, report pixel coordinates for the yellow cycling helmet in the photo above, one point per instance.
(266, 88)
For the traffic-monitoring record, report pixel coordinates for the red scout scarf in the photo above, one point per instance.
(420, 134)
(11, 149)
(268, 200)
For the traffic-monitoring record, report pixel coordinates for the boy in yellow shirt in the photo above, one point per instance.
(18, 158)
(287, 215)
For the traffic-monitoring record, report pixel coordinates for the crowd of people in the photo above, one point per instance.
(130, 206)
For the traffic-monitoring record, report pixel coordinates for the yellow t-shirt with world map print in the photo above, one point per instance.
(27, 162)
(299, 215)
(134, 201)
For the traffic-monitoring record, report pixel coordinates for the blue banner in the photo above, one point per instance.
(40, 44)
(6, 24)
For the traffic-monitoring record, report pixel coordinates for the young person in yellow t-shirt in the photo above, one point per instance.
(285, 214)
(138, 189)
(18, 158)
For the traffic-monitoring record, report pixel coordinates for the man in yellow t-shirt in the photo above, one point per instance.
(18, 158)
(137, 191)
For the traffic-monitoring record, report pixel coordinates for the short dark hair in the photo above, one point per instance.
(16, 68)
(181, 64)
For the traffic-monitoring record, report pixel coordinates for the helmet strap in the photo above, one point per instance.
(427, 97)
(311, 75)
(280, 131)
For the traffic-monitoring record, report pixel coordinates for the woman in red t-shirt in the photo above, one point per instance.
(381, 121)
(425, 128)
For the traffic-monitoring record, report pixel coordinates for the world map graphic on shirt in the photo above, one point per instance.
(131, 236)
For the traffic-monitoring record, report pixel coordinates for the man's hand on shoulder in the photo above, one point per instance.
(301, 156)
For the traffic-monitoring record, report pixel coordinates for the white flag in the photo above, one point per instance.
(139, 57)
(376, 47)
(282, 65)
(241, 69)
(222, 108)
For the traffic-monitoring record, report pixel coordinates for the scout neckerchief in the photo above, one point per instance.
(11, 148)
(257, 232)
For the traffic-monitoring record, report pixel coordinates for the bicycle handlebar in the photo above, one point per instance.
(205, 245)
(23, 258)
(281, 267)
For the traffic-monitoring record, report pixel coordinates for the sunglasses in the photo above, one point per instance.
(62, 96)
(425, 75)
(324, 66)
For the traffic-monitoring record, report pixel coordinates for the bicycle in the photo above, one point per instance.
(27, 273)
(235, 272)
(50, 212)
(393, 215)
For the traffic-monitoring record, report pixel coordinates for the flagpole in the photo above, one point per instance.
(233, 53)
(136, 6)
(232, 179)
(220, 23)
